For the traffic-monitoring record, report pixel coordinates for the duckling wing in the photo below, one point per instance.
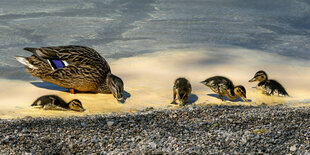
(273, 87)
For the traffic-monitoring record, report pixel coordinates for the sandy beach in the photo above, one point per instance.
(149, 79)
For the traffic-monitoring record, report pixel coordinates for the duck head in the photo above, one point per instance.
(259, 76)
(76, 105)
(116, 87)
(241, 92)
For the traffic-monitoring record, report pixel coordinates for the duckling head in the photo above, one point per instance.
(240, 91)
(116, 86)
(76, 105)
(259, 76)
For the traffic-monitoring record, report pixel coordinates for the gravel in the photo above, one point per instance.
(188, 130)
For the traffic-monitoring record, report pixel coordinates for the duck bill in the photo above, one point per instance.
(121, 100)
(252, 80)
(82, 110)
(203, 82)
(244, 99)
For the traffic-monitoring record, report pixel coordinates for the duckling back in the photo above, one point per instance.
(272, 87)
(181, 90)
(218, 83)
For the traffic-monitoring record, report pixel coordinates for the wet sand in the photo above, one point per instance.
(149, 79)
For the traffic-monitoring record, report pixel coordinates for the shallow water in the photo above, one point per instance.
(118, 28)
(149, 79)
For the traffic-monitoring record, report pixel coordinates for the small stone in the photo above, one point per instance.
(153, 145)
(83, 124)
(293, 148)
(110, 123)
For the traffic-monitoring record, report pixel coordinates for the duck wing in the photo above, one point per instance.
(80, 77)
(70, 54)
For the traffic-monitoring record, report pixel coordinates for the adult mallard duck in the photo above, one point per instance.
(224, 87)
(269, 87)
(74, 67)
(181, 90)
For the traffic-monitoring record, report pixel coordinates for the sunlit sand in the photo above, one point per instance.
(149, 79)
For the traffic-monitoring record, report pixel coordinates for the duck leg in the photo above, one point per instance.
(174, 96)
(221, 97)
(72, 91)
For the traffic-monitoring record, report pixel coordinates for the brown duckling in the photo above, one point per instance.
(181, 91)
(224, 87)
(50, 102)
(269, 87)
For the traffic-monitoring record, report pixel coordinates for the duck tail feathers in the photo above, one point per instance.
(24, 61)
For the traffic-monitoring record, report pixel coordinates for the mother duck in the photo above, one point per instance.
(74, 67)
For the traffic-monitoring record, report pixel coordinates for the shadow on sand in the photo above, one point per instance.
(49, 86)
(225, 98)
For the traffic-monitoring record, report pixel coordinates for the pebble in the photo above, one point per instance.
(188, 130)
(293, 148)
(110, 123)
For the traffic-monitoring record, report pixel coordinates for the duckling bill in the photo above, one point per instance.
(269, 87)
(53, 102)
(224, 87)
(181, 91)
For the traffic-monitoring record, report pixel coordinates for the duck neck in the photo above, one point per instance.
(231, 94)
(262, 83)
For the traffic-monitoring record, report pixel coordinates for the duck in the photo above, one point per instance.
(77, 68)
(181, 91)
(268, 86)
(52, 102)
(225, 87)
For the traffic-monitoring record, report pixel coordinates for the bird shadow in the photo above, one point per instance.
(49, 86)
(126, 95)
(192, 99)
(226, 98)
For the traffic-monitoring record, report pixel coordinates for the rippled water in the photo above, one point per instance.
(119, 28)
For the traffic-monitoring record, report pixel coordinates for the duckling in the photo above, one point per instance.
(48, 102)
(269, 87)
(181, 91)
(224, 87)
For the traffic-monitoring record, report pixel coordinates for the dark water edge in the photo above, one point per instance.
(117, 28)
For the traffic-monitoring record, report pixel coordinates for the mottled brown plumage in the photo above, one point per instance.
(225, 87)
(85, 70)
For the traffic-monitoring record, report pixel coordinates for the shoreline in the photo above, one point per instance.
(194, 129)
(149, 78)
